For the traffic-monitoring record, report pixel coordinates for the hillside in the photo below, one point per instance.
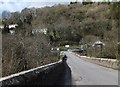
(73, 24)
(78, 24)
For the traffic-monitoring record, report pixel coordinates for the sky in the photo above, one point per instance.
(18, 5)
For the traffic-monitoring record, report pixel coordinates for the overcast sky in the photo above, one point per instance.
(18, 5)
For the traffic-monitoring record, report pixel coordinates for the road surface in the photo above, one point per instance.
(86, 73)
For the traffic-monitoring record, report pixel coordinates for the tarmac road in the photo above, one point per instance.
(86, 73)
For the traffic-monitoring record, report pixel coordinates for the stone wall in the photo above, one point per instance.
(44, 75)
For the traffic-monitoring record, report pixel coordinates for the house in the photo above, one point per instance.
(10, 26)
(13, 26)
(98, 44)
(44, 31)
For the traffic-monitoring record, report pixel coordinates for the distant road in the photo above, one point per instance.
(85, 73)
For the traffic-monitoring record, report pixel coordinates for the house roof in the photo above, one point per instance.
(98, 43)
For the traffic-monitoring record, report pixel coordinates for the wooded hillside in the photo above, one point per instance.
(74, 24)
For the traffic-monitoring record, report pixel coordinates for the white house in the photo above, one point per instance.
(44, 31)
(12, 26)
